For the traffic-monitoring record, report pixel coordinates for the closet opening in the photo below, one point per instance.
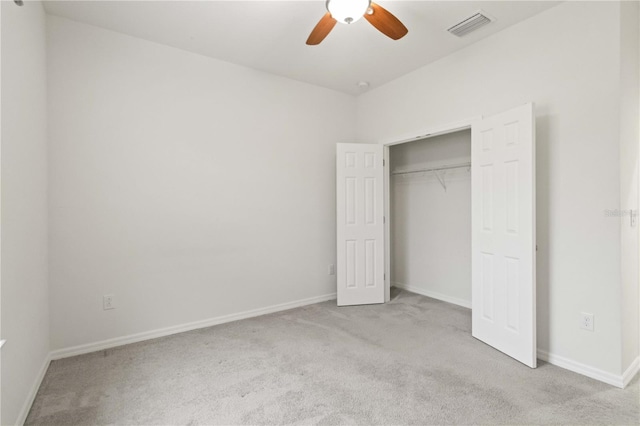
(438, 226)
(429, 217)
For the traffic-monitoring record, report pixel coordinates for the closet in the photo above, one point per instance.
(430, 217)
(451, 215)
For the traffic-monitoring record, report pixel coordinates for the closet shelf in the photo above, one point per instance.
(435, 171)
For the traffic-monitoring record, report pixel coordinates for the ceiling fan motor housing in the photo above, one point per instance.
(348, 11)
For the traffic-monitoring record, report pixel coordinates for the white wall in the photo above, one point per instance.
(431, 227)
(25, 301)
(188, 187)
(572, 73)
(629, 140)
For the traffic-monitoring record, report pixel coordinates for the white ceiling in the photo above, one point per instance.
(270, 35)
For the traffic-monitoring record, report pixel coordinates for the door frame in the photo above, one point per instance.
(431, 132)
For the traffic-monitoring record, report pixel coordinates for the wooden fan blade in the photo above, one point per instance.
(322, 28)
(385, 22)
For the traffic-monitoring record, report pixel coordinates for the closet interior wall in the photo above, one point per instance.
(431, 225)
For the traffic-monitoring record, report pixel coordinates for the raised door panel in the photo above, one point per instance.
(503, 233)
(360, 228)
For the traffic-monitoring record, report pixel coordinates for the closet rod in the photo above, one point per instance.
(434, 169)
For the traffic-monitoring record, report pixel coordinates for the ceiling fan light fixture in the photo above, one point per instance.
(347, 11)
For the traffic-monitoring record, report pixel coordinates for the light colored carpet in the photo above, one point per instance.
(411, 361)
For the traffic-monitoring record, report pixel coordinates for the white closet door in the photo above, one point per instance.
(360, 236)
(503, 233)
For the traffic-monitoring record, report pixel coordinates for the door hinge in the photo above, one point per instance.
(384, 219)
(383, 162)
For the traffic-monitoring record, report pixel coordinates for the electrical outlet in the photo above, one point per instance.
(586, 321)
(107, 302)
(332, 269)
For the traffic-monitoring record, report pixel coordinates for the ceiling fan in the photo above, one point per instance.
(349, 11)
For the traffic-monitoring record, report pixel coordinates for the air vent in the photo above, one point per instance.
(470, 24)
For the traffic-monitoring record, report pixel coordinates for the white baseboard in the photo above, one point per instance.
(433, 295)
(586, 370)
(603, 376)
(631, 372)
(153, 334)
(26, 407)
(619, 381)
